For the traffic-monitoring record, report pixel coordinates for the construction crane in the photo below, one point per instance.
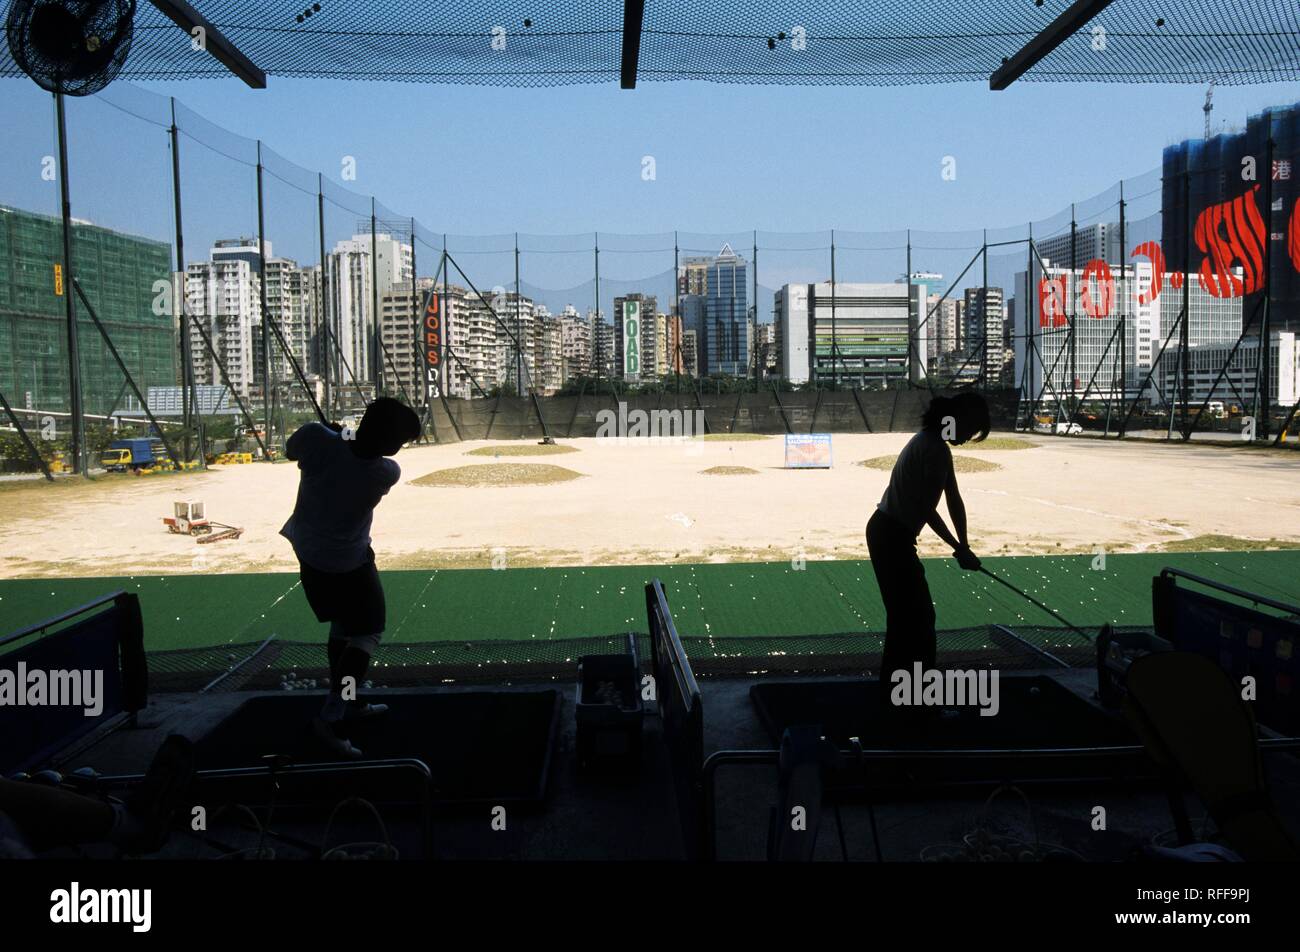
(1208, 107)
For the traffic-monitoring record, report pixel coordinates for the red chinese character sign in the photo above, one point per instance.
(1230, 234)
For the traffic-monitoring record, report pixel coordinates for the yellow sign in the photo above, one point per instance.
(58, 280)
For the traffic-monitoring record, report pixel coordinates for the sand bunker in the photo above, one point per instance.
(962, 464)
(1001, 443)
(498, 474)
(523, 449)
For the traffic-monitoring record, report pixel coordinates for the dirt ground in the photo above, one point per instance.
(649, 502)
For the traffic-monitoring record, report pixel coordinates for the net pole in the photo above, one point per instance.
(322, 316)
(70, 308)
(679, 365)
(1265, 363)
(754, 331)
(1031, 292)
(519, 356)
(912, 341)
(445, 343)
(595, 319)
(1074, 316)
(261, 286)
(1123, 309)
(1183, 332)
(417, 328)
(187, 369)
(835, 337)
(984, 317)
(377, 369)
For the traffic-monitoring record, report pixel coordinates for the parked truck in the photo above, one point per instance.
(135, 454)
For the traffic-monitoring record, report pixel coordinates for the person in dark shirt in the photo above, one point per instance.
(344, 476)
(922, 473)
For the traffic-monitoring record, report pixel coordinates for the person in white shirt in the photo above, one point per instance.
(344, 476)
(922, 473)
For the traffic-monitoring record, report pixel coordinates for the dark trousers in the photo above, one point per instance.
(909, 610)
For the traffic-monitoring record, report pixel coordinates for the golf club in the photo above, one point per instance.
(1031, 598)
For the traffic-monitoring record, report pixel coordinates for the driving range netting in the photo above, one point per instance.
(533, 623)
(266, 666)
(885, 43)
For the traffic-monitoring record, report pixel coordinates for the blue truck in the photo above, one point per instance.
(133, 454)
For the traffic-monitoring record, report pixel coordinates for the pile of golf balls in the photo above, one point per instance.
(291, 682)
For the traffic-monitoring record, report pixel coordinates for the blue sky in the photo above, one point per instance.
(488, 161)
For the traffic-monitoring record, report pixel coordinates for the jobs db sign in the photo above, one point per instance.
(631, 340)
(431, 342)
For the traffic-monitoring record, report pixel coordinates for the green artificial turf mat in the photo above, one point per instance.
(733, 600)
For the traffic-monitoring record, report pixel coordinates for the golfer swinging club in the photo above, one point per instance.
(344, 475)
(923, 472)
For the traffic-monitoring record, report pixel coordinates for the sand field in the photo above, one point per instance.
(642, 501)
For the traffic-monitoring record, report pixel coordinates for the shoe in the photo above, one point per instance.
(358, 710)
(152, 804)
(339, 746)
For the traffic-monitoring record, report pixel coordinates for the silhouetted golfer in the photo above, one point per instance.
(922, 473)
(344, 475)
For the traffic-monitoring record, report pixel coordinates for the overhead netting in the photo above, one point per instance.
(881, 43)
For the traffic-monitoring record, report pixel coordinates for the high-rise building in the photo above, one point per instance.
(765, 347)
(985, 315)
(1199, 174)
(471, 362)
(945, 319)
(400, 327)
(850, 333)
(726, 318)
(790, 319)
(517, 360)
(1237, 385)
(674, 362)
(548, 351)
(648, 342)
(319, 345)
(692, 309)
(121, 276)
(1051, 368)
(604, 344)
(350, 305)
(223, 295)
(286, 303)
(690, 353)
(355, 281)
(575, 335)
(1099, 241)
(693, 276)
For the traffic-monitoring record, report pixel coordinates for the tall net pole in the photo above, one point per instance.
(78, 446)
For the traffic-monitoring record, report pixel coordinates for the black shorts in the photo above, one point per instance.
(354, 599)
